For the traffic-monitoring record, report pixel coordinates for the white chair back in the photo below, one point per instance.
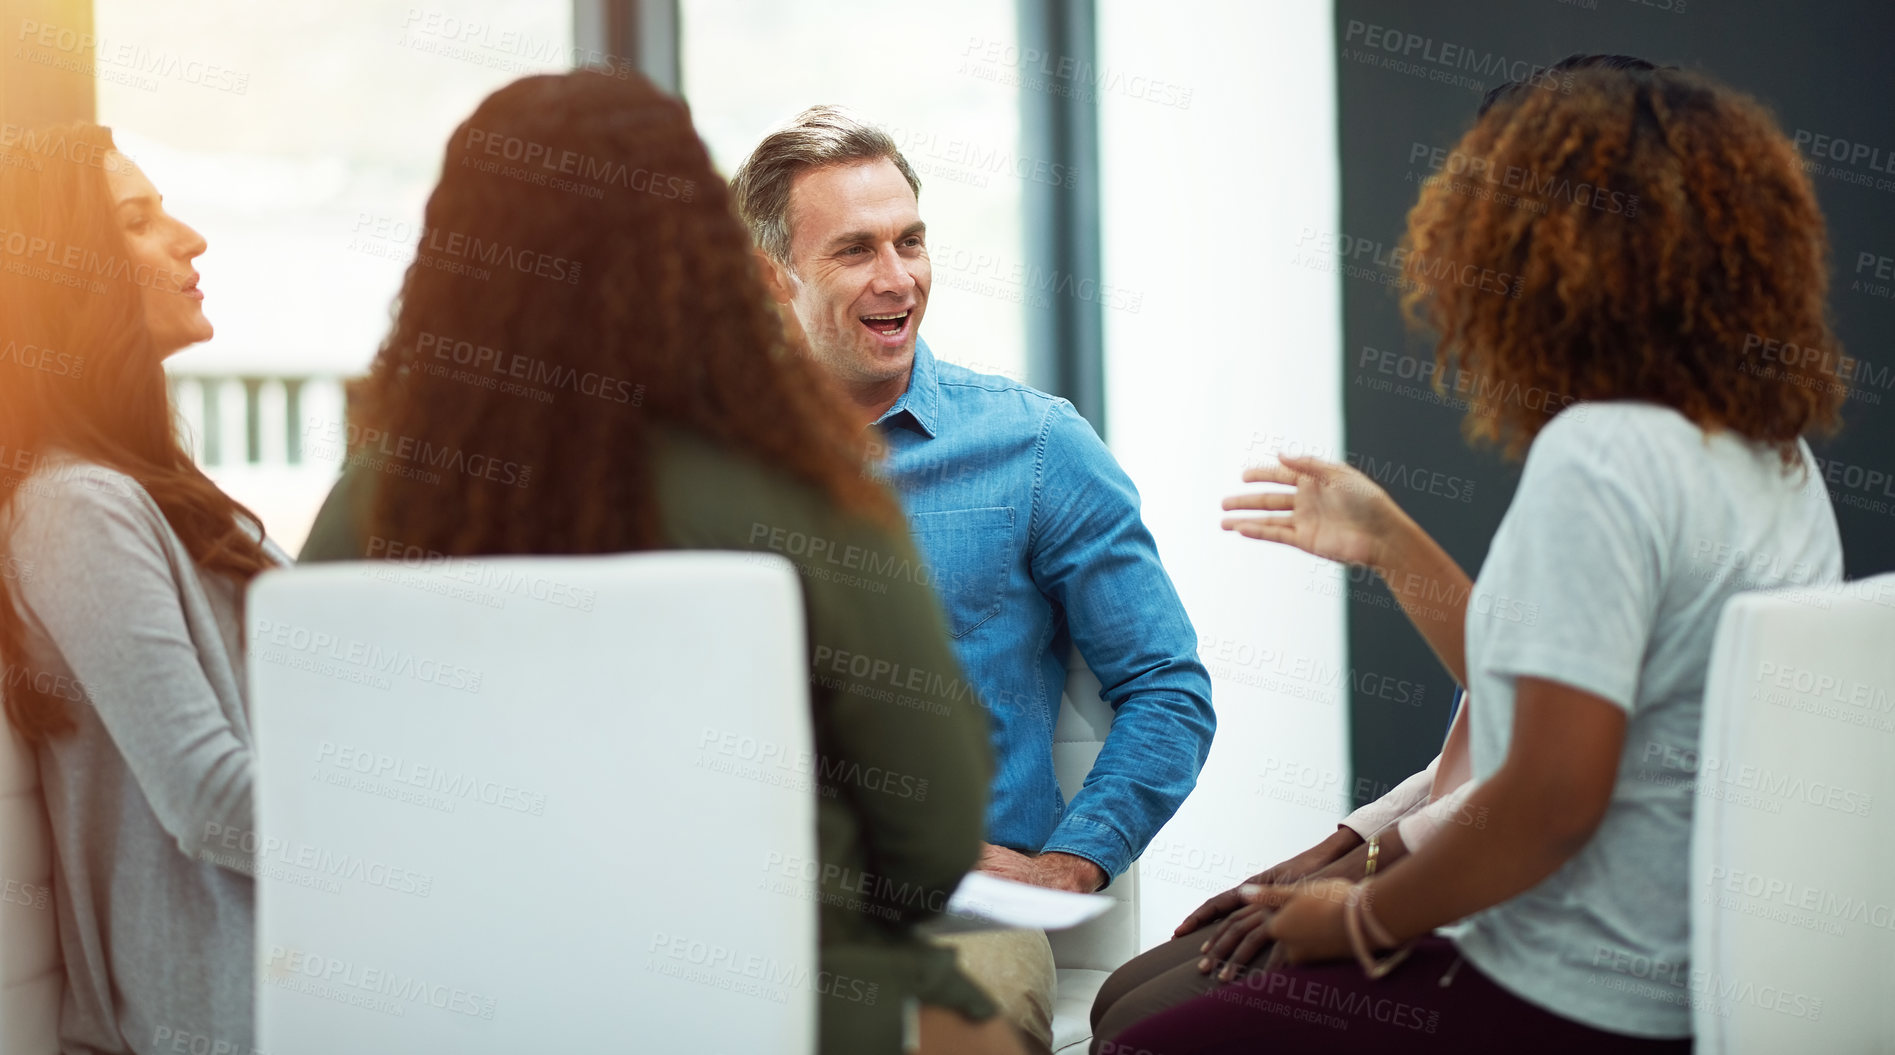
(1085, 955)
(520, 804)
(31, 979)
(1792, 863)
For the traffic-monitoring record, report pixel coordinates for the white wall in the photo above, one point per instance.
(1233, 351)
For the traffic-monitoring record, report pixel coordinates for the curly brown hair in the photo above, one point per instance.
(1664, 230)
(622, 294)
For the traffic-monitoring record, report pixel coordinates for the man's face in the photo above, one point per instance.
(859, 270)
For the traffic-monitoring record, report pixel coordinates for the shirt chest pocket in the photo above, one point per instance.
(968, 552)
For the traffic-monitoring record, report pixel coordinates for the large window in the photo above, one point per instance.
(302, 141)
(942, 79)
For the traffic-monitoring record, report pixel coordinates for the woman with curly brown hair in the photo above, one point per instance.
(1662, 220)
(584, 361)
(121, 602)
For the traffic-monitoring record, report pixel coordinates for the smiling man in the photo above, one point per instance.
(1030, 527)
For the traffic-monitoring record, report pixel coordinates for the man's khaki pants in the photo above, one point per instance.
(1015, 968)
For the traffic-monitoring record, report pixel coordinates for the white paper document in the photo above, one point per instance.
(988, 902)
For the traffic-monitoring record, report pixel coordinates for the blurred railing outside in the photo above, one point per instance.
(274, 441)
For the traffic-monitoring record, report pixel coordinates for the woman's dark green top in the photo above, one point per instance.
(902, 739)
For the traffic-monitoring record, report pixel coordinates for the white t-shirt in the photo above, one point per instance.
(1630, 530)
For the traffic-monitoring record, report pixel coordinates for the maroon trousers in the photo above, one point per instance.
(1434, 1002)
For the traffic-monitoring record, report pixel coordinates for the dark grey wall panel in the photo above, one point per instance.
(1410, 76)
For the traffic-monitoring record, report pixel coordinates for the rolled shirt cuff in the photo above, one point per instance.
(1407, 797)
(1099, 843)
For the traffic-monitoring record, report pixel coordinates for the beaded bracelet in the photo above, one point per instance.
(1355, 917)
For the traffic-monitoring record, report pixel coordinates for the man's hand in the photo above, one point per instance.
(1055, 870)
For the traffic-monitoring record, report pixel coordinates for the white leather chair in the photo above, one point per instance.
(31, 979)
(1792, 864)
(1087, 954)
(578, 851)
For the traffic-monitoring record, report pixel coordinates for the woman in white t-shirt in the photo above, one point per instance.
(1665, 472)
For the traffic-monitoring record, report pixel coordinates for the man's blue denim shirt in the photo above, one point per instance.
(1035, 543)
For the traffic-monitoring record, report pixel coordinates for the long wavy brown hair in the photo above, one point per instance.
(1646, 231)
(619, 295)
(79, 375)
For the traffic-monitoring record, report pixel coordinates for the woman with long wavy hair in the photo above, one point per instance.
(1600, 321)
(584, 361)
(121, 607)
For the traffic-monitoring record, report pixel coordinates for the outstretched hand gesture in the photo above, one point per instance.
(1335, 511)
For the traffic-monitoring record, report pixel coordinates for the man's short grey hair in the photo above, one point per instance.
(816, 138)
